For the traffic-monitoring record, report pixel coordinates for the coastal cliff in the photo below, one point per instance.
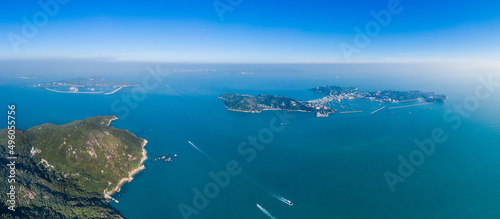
(62, 170)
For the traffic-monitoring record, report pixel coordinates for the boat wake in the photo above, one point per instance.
(276, 196)
(265, 212)
(209, 158)
(282, 199)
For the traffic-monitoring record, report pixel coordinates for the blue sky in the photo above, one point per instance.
(253, 31)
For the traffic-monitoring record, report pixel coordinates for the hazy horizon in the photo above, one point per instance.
(250, 109)
(251, 31)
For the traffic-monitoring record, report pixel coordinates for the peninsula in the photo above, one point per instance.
(66, 171)
(322, 107)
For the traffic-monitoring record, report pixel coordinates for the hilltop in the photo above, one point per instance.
(256, 104)
(72, 168)
(323, 106)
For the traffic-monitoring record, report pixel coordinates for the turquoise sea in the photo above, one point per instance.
(328, 167)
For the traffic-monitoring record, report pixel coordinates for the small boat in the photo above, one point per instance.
(282, 199)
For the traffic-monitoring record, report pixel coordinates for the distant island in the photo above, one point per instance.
(68, 171)
(256, 104)
(94, 85)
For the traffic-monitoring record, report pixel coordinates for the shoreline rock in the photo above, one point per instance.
(131, 174)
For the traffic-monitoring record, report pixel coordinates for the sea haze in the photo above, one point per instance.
(328, 167)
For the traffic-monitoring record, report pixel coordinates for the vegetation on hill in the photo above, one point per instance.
(248, 103)
(322, 107)
(72, 167)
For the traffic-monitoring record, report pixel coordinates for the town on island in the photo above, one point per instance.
(256, 104)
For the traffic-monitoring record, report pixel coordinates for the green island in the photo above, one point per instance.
(256, 104)
(70, 171)
(94, 85)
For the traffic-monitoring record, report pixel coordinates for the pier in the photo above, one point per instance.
(352, 111)
(397, 107)
(377, 110)
(113, 91)
(73, 92)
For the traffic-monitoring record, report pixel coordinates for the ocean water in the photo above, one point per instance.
(328, 167)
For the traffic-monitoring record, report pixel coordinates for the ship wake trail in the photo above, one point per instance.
(209, 158)
(281, 199)
(265, 212)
